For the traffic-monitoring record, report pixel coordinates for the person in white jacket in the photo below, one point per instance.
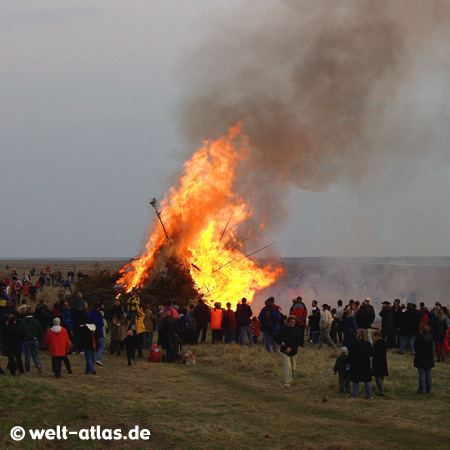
(325, 327)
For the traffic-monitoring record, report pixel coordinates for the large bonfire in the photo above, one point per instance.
(202, 226)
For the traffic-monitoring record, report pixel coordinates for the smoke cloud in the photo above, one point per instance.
(323, 89)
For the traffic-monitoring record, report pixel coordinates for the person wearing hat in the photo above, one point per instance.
(379, 362)
(289, 337)
(326, 320)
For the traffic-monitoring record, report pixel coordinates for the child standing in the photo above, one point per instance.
(255, 329)
(116, 337)
(341, 367)
(379, 362)
(130, 344)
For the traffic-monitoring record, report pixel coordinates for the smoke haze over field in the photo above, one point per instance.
(329, 94)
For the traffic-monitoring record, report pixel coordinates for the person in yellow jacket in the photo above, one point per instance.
(140, 328)
(216, 323)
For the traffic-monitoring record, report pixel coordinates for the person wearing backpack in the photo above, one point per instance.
(269, 318)
(229, 324)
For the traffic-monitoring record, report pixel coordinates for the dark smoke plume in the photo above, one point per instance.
(314, 83)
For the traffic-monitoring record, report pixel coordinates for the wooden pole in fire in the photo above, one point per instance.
(246, 256)
(154, 203)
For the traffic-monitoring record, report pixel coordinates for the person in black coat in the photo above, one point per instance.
(359, 360)
(169, 333)
(13, 341)
(387, 324)
(202, 316)
(423, 359)
(289, 338)
(409, 328)
(379, 362)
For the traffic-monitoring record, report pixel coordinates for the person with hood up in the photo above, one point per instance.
(58, 341)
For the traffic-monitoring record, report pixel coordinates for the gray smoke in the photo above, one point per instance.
(320, 88)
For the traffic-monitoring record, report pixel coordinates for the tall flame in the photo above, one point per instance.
(202, 218)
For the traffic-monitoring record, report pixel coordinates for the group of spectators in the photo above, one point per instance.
(67, 329)
(17, 288)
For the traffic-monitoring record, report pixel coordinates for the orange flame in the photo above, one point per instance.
(202, 218)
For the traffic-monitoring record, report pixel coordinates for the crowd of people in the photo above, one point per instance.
(26, 328)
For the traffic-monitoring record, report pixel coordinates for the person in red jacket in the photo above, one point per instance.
(255, 329)
(58, 341)
(229, 324)
(155, 354)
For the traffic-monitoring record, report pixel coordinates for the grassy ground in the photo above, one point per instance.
(232, 399)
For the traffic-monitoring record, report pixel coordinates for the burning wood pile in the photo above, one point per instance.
(202, 229)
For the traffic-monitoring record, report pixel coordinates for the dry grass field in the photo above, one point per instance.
(232, 399)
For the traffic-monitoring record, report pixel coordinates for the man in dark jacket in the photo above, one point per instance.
(379, 362)
(97, 319)
(387, 324)
(409, 328)
(298, 309)
(423, 359)
(243, 317)
(32, 333)
(202, 316)
(365, 317)
(289, 337)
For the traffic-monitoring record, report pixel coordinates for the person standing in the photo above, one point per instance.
(359, 359)
(269, 318)
(87, 344)
(32, 333)
(325, 327)
(439, 329)
(289, 338)
(423, 358)
(169, 335)
(202, 316)
(216, 323)
(365, 317)
(243, 316)
(12, 342)
(229, 324)
(408, 328)
(149, 325)
(97, 319)
(387, 324)
(339, 317)
(298, 309)
(58, 342)
(379, 362)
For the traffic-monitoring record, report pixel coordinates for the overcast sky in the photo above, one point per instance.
(90, 94)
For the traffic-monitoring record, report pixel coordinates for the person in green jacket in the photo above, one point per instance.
(32, 332)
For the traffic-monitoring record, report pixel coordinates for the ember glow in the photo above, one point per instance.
(205, 223)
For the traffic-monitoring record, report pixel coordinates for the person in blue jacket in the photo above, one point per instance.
(269, 318)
